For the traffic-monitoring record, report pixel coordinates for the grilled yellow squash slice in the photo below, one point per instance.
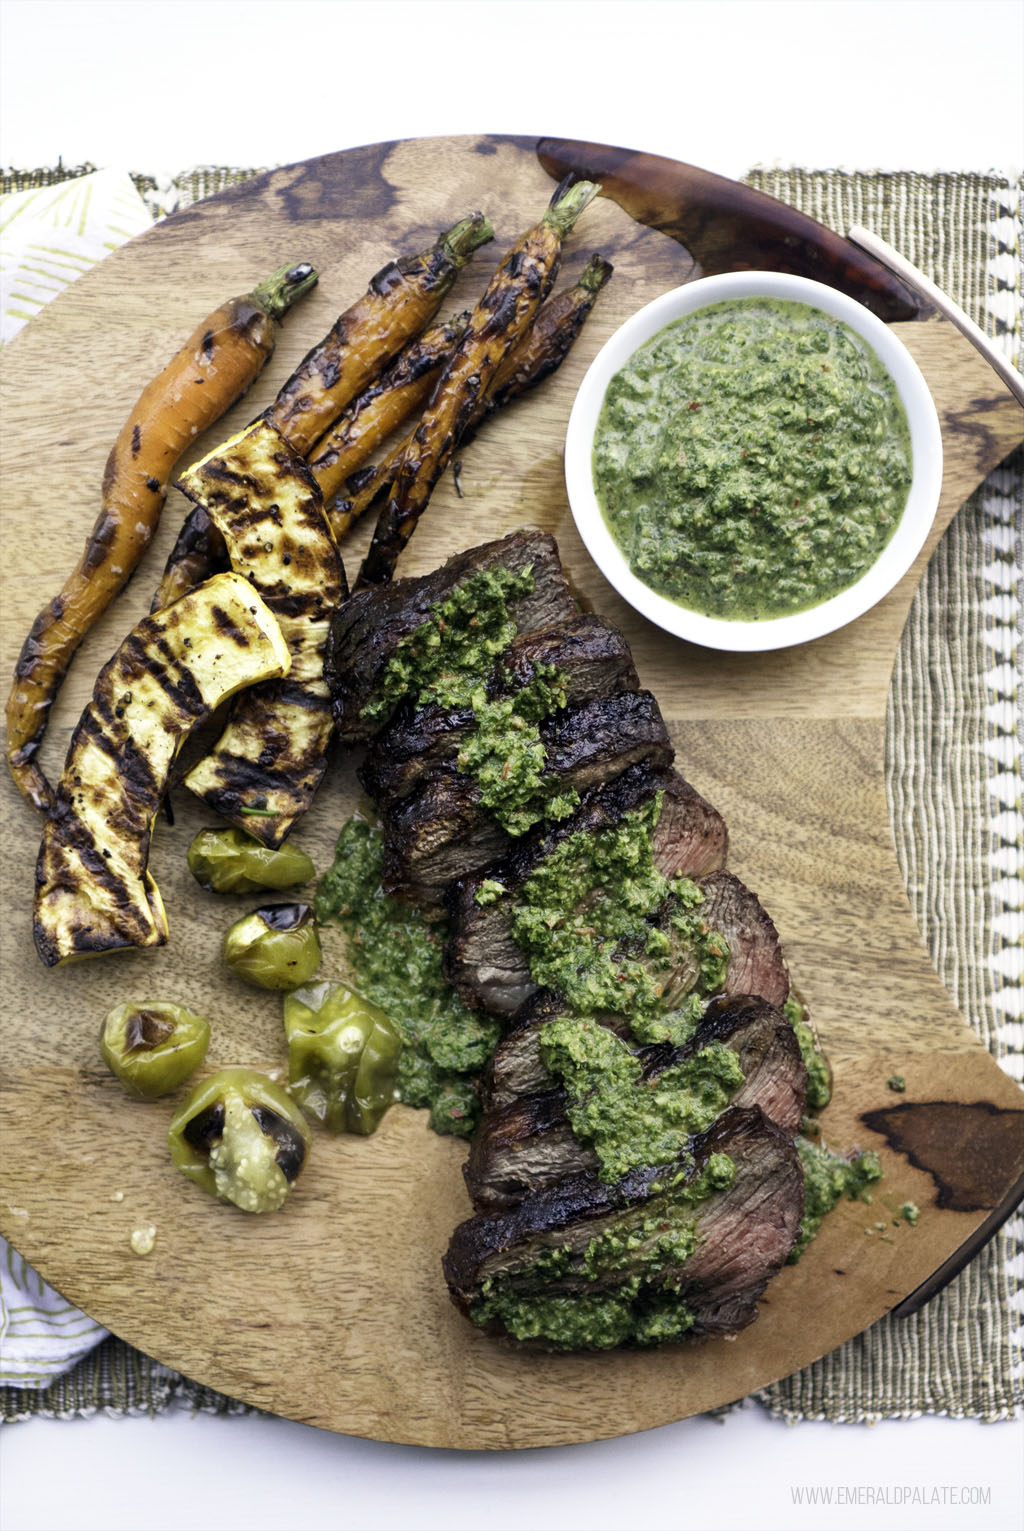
(266, 766)
(94, 892)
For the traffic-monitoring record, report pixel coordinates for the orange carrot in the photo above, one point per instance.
(533, 358)
(501, 317)
(211, 371)
(372, 417)
(399, 303)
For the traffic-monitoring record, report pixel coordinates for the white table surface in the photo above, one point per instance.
(856, 84)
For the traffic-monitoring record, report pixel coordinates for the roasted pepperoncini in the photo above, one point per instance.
(342, 1056)
(241, 1138)
(152, 1047)
(275, 947)
(228, 861)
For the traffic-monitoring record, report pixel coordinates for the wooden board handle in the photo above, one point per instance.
(927, 288)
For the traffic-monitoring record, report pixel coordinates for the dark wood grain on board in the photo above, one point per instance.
(727, 226)
(333, 1311)
(972, 1149)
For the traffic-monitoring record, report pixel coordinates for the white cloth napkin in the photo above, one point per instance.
(52, 234)
(49, 236)
(41, 1335)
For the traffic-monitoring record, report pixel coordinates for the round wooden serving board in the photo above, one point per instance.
(334, 1310)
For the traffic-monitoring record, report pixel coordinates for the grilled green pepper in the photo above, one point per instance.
(228, 861)
(241, 1138)
(342, 1056)
(153, 1047)
(275, 947)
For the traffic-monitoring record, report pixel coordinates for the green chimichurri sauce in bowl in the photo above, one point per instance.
(753, 460)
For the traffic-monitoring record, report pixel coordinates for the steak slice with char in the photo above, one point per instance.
(690, 838)
(411, 748)
(529, 1145)
(744, 1231)
(591, 655)
(482, 957)
(756, 964)
(730, 909)
(442, 832)
(516, 1067)
(367, 629)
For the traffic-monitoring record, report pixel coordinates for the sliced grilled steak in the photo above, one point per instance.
(745, 1233)
(413, 747)
(434, 836)
(517, 1068)
(368, 628)
(483, 959)
(442, 831)
(590, 744)
(529, 1145)
(592, 655)
(481, 952)
(756, 964)
(775, 1076)
(690, 838)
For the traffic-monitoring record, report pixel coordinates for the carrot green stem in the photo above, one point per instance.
(277, 294)
(466, 236)
(565, 209)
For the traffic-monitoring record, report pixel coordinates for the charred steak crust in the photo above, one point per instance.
(441, 831)
(527, 1144)
(591, 743)
(367, 629)
(435, 836)
(486, 964)
(745, 1231)
(592, 654)
(592, 657)
(482, 958)
(410, 748)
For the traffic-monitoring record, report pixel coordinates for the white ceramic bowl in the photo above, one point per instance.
(895, 558)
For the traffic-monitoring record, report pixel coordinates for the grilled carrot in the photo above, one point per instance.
(211, 371)
(382, 406)
(199, 550)
(546, 344)
(400, 302)
(519, 286)
(539, 353)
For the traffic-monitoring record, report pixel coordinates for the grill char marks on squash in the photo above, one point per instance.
(265, 768)
(94, 892)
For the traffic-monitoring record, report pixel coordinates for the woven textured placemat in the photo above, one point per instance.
(955, 777)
